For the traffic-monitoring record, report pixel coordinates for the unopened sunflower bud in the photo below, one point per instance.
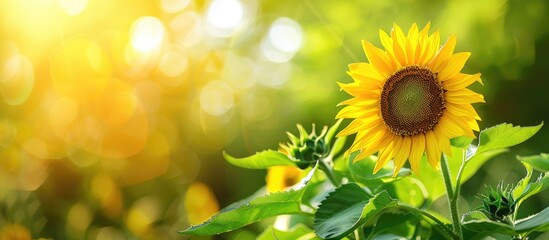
(498, 203)
(307, 148)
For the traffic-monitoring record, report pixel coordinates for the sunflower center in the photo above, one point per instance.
(412, 101)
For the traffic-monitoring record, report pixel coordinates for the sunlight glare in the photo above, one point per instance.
(225, 17)
(147, 34)
(73, 7)
(216, 98)
(283, 40)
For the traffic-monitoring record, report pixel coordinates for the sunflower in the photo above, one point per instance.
(410, 99)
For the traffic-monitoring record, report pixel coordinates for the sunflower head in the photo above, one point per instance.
(409, 99)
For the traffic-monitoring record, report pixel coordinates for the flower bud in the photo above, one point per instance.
(498, 203)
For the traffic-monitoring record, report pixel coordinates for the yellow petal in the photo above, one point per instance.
(412, 44)
(365, 138)
(402, 154)
(377, 144)
(461, 123)
(443, 54)
(473, 124)
(453, 66)
(359, 124)
(356, 112)
(377, 57)
(432, 149)
(464, 110)
(460, 81)
(418, 147)
(422, 44)
(386, 154)
(367, 70)
(373, 103)
(463, 96)
(363, 93)
(443, 140)
(431, 48)
(399, 45)
(386, 41)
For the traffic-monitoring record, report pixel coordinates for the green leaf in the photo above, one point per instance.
(347, 208)
(248, 211)
(261, 160)
(410, 191)
(539, 162)
(537, 222)
(363, 171)
(432, 178)
(478, 222)
(299, 231)
(505, 135)
(396, 223)
(523, 183)
(533, 188)
(476, 161)
(461, 142)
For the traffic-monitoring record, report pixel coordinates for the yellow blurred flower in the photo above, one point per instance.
(409, 99)
(280, 177)
(15, 232)
(200, 203)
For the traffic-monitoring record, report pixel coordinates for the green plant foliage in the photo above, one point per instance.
(346, 209)
(539, 162)
(299, 231)
(248, 211)
(505, 135)
(332, 131)
(525, 189)
(479, 222)
(461, 142)
(476, 161)
(362, 172)
(395, 225)
(537, 222)
(431, 178)
(261, 160)
(373, 210)
(533, 188)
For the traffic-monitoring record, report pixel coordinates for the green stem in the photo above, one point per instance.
(458, 179)
(323, 165)
(450, 193)
(359, 234)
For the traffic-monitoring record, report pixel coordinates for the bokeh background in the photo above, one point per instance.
(114, 113)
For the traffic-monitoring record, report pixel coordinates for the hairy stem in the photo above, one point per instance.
(450, 194)
(458, 179)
